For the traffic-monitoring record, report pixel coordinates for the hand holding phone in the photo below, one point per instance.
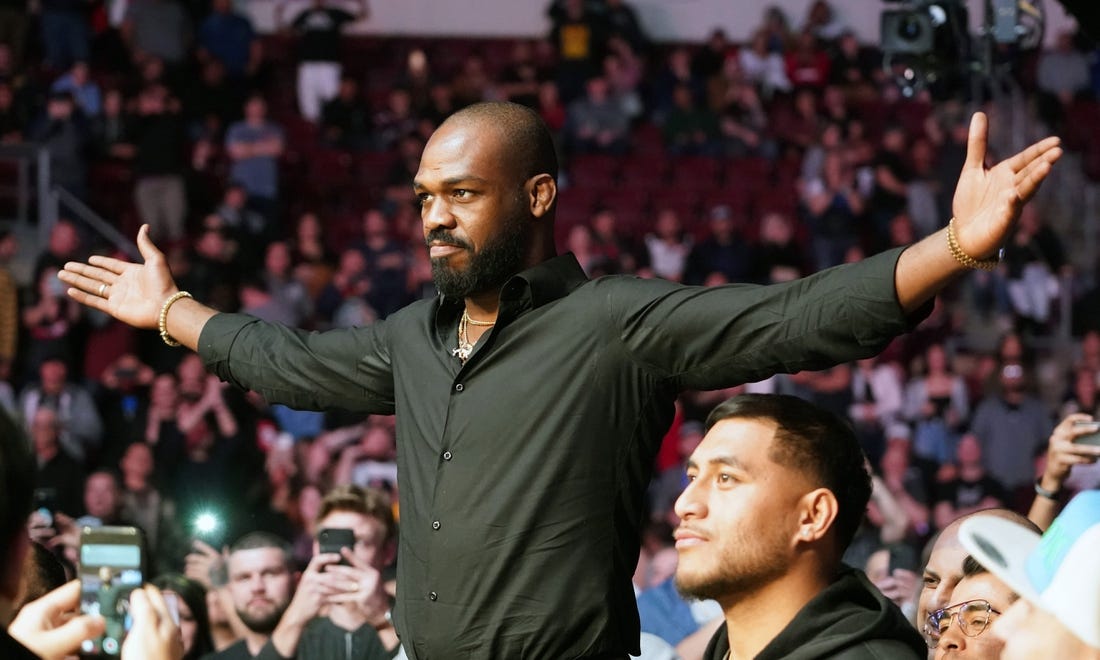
(111, 563)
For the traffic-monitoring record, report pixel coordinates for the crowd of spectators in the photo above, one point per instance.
(790, 153)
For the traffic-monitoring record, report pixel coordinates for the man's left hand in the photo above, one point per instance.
(988, 201)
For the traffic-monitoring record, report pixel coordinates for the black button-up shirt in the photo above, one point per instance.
(523, 472)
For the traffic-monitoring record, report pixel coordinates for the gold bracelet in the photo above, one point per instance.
(162, 322)
(964, 258)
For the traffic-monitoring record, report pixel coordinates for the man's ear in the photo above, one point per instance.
(817, 510)
(11, 572)
(542, 193)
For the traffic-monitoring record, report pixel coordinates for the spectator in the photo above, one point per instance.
(689, 129)
(980, 599)
(686, 625)
(853, 66)
(191, 604)
(622, 22)
(1057, 612)
(876, 403)
(394, 121)
(743, 122)
(385, 264)
(228, 37)
(579, 37)
(260, 585)
(614, 247)
(284, 288)
(892, 571)
(65, 32)
(668, 485)
(807, 64)
(1062, 76)
(345, 121)
(937, 404)
(254, 146)
(833, 206)
(123, 397)
(669, 246)
(51, 627)
(722, 251)
(677, 72)
(56, 470)
(1035, 261)
(111, 128)
(1064, 469)
(892, 177)
(157, 28)
(597, 123)
(341, 605)
(763, 66)
(159, 162)
(742, 492)
(81, 426)
(65, 137)
(1009, 424)
(776, 257)
(708, 61)
(944, 569)
(212, 102)
(318, 29)
(244, 224)
(85, 92)
(971, 490)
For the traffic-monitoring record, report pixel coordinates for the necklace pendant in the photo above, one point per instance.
(462, 352)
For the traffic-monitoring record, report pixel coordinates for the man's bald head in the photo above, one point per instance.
(525, 140)
(943, 567)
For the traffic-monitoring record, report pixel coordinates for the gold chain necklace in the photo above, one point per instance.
(465, 347)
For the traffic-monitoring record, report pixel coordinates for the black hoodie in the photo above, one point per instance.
(850, 619)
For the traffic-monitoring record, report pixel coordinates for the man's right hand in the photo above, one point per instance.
(51, 626)
(133, 293)
(313, 593)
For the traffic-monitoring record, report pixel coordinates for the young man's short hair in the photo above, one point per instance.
(815, 442)
(17, 472)
(369, 502)
(260, 540)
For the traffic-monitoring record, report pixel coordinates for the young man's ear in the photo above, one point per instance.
(817, 512)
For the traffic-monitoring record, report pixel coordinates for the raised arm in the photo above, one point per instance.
(135, 293)
(986, 205)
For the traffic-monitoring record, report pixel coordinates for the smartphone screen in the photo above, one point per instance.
(110, 568)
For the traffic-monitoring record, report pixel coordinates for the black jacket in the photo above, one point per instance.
(850, 620)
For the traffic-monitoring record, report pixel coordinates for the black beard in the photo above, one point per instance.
(264, 625)
(488, 268)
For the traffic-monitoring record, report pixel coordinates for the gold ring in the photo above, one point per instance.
(103, 290)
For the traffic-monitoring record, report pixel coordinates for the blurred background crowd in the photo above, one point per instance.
(275, 171)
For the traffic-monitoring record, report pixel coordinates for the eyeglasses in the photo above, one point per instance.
(973, 617)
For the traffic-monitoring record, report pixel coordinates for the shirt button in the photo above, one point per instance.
(433, 596)
(459, 387)
(446, 455)
(435, 524)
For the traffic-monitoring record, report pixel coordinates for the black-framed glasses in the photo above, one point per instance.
(972, 617)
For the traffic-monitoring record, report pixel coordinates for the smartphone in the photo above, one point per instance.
(45, 503)
(111, 563)
(331, 539)
(1091, 438)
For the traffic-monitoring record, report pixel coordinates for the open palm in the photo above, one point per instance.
(987, 202)
(132, 293)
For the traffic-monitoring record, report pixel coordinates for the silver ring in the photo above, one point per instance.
(103, 290)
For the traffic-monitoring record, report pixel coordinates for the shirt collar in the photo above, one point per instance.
(539, 285)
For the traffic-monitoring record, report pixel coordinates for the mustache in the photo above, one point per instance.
(443, 237)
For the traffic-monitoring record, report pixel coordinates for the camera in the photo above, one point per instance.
(111, 563)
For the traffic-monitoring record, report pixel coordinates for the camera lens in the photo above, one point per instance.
(910, 29)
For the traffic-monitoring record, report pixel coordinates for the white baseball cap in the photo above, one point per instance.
(1058, 571)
